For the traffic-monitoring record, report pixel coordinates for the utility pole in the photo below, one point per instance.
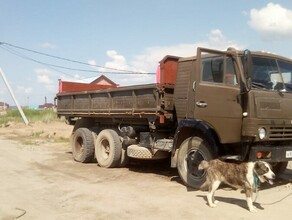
(12, 94)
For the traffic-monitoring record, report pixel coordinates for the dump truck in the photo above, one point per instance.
(232, 105)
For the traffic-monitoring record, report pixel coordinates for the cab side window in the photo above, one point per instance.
(214, 70)
(230, 76)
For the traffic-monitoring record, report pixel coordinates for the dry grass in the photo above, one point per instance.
(13, 116)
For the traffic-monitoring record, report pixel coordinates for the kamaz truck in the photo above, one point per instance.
(229, 104)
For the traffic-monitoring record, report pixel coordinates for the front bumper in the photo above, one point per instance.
(271, 153)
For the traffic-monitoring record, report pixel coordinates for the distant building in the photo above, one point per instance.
(103, 80)
(99, 83)
(46, 105)
(3, 106)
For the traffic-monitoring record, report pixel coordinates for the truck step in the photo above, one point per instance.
(139, 152)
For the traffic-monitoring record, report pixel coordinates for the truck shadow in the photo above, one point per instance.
(158, 167)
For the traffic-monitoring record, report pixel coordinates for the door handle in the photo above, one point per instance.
(194, 86)
(201, 104)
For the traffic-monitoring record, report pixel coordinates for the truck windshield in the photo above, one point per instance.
(271, 74)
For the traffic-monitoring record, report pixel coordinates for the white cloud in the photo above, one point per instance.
(24, 90)
(118, 61)
(149, 58)
(51, 87)
(114, 55)
(95, 66)
(137, 79)
(217, 40)
(70, 77)
(272, 22)
(47, 78)
(92, 62)
(44, 76)
(48, 45)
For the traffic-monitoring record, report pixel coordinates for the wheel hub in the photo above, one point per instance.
(193, 160)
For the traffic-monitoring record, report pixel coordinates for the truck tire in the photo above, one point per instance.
(192, 151)
(279, 168)
(108, 148)
(83, 145)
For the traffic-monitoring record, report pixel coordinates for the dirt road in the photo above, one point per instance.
(41, 181)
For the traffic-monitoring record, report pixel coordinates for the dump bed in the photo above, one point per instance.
(131, 101)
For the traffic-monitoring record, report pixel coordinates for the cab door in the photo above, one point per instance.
(217, 94)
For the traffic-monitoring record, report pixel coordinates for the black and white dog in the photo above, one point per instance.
(239, 175)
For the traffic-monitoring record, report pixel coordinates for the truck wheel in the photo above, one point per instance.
(192, 151)
(108, 148)
(279, 168)
(83, 145)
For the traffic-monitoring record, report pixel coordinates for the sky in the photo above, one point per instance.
(129, 35)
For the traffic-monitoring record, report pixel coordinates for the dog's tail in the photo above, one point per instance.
(203, 165)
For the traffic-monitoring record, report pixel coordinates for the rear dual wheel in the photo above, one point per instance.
(83, 145)
(109, 151)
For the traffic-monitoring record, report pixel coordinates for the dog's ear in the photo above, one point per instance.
(260, 168)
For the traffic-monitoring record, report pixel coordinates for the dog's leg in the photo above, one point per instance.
(210, 196)
(248, 192)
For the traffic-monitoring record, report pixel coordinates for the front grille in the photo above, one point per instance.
(280, 133)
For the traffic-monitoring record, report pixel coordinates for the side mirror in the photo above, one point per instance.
(247, 68)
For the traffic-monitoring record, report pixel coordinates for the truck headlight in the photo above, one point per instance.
(262, 133)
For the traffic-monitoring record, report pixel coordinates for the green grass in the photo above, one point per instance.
(36, 134)
(29, 142)
(46, 116)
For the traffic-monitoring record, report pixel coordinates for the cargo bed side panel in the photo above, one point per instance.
(135, 100)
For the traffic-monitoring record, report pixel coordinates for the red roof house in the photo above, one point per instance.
(101, 82)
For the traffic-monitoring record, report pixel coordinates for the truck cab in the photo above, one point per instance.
(237, 105)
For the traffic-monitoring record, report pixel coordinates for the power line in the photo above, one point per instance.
(16, 53)
(57, 66)
(30, 59)
(57, 57)
(70, 60)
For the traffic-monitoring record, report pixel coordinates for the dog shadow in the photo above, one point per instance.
(239, 202)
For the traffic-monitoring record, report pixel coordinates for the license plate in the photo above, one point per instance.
(288, 154)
